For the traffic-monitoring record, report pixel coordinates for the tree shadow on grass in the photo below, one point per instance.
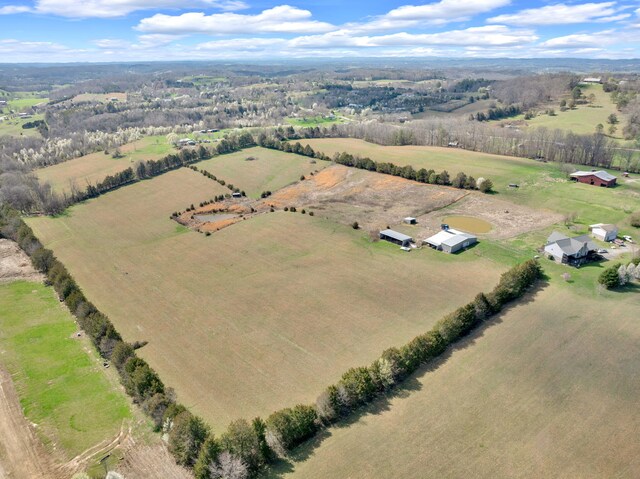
(410, 385)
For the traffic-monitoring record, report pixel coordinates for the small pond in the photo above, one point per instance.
(468, 223)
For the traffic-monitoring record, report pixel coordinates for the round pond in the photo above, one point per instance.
(468, 223)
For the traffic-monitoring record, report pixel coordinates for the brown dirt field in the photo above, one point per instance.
(507, 219)
(21, 453)
(15, 264)
(373, 200)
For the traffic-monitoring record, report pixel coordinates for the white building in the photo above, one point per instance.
(604, 232)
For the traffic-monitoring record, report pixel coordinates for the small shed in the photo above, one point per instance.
(604, 232)
(410, 220)
(396, 237)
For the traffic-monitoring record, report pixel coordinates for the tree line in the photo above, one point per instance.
(461, 180)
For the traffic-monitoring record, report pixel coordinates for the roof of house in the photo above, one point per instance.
(409, 218)
(607, 227)
(570, 246)
(396, 235)
(603, 175)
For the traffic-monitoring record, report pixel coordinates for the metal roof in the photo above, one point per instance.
(606, 227)
(396, 235)
(603, 175)
(458, 239)
(449, 238)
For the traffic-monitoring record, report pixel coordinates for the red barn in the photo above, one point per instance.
(596, 178)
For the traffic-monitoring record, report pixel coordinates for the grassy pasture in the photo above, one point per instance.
(584, 118)
(13, 126)
(542, 185)
(57, 376)
(94, 167)
(545, 390)
(257, 316)
(271, 169)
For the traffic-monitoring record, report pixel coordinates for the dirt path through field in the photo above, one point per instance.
(21, 453)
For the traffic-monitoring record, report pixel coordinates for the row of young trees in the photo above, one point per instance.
(245, 448)
(461, 180)
(497, 113)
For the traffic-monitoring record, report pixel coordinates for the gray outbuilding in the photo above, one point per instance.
(396, 237)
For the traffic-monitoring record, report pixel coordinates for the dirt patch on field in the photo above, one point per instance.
(15, 264)
(21, 453)
(145, 461)
(372, 199)
(507, 219)
(218, 215)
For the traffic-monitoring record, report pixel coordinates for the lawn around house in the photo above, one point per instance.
(57, 376)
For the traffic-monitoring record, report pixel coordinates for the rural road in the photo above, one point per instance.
(21, 454)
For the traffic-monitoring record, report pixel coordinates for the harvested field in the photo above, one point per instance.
(373, 200)
(269, 170)
(258, 316)
(93, 168)
(545, 390)
(142, 461)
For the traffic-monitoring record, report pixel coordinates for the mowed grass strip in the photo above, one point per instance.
(270, 170)
(541, 185)
(58, 378)
(93, 168)
(546, 390)
(258, 316)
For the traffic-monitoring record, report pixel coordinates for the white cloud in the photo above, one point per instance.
(490, 35)
(438, 13)
(243, 44)
(115, 8)
(582, 40)
(559, 14)
(280, 19)
(12, 9)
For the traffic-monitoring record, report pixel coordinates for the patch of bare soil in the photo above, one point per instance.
(146, 461)
(15, 264)
(21, 453)
(372, 199)
(507, 219)
(203, 218)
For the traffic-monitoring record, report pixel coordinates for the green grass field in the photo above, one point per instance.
(13, 126)
(58, 377)
(544, 390)
(542, 185)
(313, 121)
(583, 118)
(93, 168)
(260, 315)
(271, 169)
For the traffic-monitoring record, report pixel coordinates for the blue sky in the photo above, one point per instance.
(123, 30)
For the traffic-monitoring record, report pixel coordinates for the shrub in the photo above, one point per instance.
(635, 219)
(293, 426)
(241, 440)
(187, 434)
(358, 386)
(609, 278)
(355, 225)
